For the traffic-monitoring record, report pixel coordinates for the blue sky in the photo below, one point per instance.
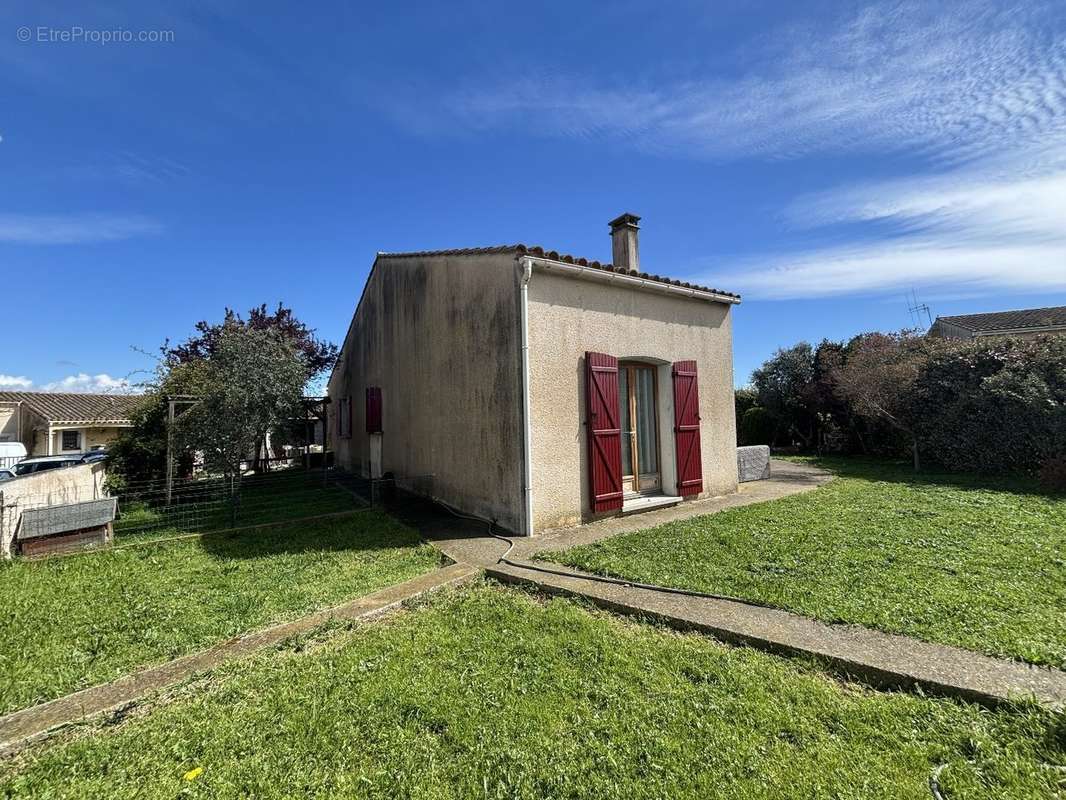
(822, 159)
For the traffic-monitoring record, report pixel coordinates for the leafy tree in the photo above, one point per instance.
(252, 379)
(140, 452)
(783, 386)
(878, 378)
(317, 354)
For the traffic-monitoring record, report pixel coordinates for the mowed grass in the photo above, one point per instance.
(273, 497)
(487, 692)
(976, 563)
(73, 622)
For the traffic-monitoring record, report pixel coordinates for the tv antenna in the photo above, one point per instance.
(917, 309)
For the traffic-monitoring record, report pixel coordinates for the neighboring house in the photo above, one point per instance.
(1025, 323)
(53, 424)
(535, 389)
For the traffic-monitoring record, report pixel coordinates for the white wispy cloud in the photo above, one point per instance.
(15, 382)
(83, 382)
(955, 82)
(976, 91)
(100, 383)
(904, 263)
(993, 226)
(74, 228)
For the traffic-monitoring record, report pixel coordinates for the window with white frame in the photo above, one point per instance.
(71, 440)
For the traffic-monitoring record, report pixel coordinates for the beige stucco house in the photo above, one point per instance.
(536, 389)
(54, 423)
(1025, 323)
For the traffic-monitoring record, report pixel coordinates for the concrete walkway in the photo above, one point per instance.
(37, 722)
(879, 658)
(466, 541)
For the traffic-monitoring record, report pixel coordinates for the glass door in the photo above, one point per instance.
(638, 419)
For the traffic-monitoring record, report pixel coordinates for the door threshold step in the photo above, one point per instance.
(647, 503)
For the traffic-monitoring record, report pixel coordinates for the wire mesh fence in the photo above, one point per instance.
(148, 509)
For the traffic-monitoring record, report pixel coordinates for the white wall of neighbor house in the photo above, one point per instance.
(50, 442)
(440, 336)
(54, 487)
(569, 316)
(9, 422)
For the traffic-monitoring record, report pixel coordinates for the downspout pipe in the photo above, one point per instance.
(526, 265)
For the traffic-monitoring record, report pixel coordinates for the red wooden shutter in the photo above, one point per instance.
(373, 409)
(605, 436)
(687, 429)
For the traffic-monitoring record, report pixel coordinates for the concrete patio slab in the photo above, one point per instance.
(467, 540)
(879, 658)
(37, 722)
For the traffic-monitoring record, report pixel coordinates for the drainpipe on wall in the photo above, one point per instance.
(527, 466)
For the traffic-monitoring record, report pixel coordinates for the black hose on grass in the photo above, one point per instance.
(934, 776)
(588, 576)
(490, 522)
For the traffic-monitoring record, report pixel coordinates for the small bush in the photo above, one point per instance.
(1053, 474)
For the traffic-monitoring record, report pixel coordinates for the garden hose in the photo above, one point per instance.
(934, 776)
(585, 576)
(934, 782)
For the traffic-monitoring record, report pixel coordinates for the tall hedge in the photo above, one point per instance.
(992, 405)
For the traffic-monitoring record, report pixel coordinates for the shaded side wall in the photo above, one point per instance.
(440, 336)
(9, 422)
(567, 317)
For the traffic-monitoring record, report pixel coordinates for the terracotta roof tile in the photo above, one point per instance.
(554, 255)
(1021, 319)
(73, 407)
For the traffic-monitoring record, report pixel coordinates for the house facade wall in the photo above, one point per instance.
(946, 330)
(9, 422)
(36, 438)
(1024, 334)
(568, 317)
(440, 336)
(28, 427)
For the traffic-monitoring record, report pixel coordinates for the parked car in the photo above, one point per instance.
(31, 466)
(93, 456)
(7, 475)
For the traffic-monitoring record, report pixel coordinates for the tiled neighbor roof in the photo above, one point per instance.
(554, 255)
(76, 408)
(1023, 319)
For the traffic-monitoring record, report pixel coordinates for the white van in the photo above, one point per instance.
(11, 453)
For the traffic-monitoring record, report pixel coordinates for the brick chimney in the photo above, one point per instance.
(624, 252)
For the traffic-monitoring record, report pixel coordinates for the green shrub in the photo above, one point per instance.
(757, 426)
(992, 405)
(1053, 474)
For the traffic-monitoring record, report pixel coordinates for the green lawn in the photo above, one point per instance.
(73, 622)
(203, 505)
(976, 563)
(486, 692)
